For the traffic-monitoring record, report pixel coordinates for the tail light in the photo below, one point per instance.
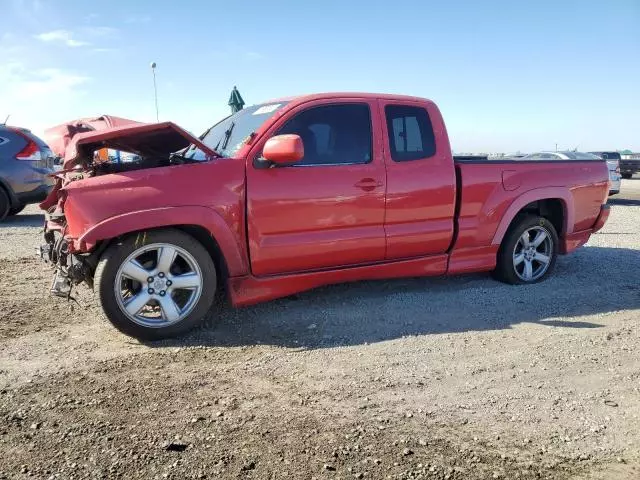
(31, 151)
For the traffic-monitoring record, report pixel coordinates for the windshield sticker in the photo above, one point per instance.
(267, 109)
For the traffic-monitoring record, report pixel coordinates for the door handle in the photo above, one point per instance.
(368, 184)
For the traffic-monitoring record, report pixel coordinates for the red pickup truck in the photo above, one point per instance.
(299, 192)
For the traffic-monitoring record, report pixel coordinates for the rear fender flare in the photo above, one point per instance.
(168, 217)
(561, 193)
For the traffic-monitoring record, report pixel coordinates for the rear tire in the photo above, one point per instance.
(528, 251)
(4, 204)
(16, 210)
(139, 290)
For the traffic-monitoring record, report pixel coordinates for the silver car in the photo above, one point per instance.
(615, 175)
(614, 165)
(25, 165)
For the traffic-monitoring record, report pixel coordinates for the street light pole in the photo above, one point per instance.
(155, 89)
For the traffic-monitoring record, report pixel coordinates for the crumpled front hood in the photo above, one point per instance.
(59, 136)
(147, 139)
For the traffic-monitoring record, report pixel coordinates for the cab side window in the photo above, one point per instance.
(333, 134)
(410, 131)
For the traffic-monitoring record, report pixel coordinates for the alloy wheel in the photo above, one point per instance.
(158, 285)
(532, 253)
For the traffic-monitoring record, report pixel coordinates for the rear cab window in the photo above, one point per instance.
(410, 130)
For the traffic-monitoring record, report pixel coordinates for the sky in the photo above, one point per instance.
(507, 75)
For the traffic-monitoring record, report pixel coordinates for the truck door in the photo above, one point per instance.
(326, 211)
(421, 181)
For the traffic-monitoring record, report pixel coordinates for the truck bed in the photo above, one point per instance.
(487, 190)
(483, 159)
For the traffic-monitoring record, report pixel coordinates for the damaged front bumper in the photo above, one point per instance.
(61, 285)
(70, 268)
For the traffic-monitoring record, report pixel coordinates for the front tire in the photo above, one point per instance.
(156, 284)
(528, 251)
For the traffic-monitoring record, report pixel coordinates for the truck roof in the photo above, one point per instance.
(330, 95)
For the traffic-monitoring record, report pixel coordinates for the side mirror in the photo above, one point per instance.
(283, 149)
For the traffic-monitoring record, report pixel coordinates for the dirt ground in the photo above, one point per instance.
(446, 378)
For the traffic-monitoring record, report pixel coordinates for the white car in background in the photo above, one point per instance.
(614, 165)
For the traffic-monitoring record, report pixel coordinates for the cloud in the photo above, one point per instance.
(137, 19)
(31, 13)
(27, 6)
(99, 31)
(235, 52)
(10, 45)
(23, 84)
(50, 81)
(7, 37)
(254, 56)
(62, 36)
(104, 50)
(39, 98)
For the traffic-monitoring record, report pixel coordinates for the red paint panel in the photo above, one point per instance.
(575, 240)
(168, 216)
(526, 198)
(483, 201)
(476, 259)
(605, 210)
(418, 238)
(318, 216)
(487, 208)
(588, 199)
(511, 180)
(250, 289)
(99, 208)
(421, 194)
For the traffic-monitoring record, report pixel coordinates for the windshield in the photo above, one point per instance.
(229, 135)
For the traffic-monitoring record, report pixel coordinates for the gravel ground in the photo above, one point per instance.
(444, 378)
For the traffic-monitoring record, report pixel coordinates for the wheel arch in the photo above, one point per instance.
(554, 204)
(204, 224)
(553, 209)
(213, 248)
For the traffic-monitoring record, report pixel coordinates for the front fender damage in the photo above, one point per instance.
(71, 267)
